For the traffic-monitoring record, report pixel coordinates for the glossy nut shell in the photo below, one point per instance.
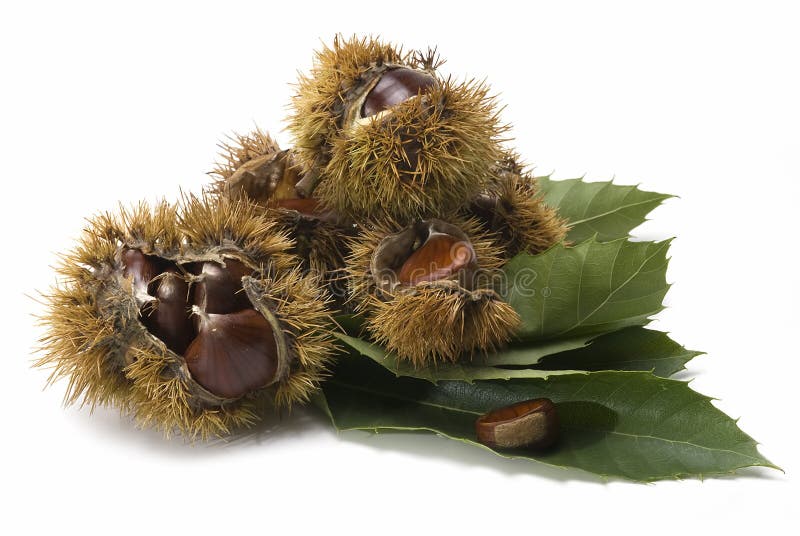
(440, 257)
(396, 86)
(529, 424)
(233, 354)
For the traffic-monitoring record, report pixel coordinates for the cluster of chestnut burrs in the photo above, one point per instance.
(397, 202)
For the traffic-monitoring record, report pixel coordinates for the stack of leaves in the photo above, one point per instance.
(467, 297)
(582, 343)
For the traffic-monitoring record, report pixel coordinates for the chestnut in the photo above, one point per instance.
(161, 293)
(219, 287)
(440, 257)
(168, 316)
(528, 424)
(394, 87)
(431, 250)
(233, 354)
(141, 268)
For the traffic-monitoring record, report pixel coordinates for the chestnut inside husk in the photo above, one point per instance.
(395, 86)
(200, 310)
(274, 181)
(426, 252)
(266, 178)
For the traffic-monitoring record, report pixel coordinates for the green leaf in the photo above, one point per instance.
(465, 371)
(350, 323)
(631, 425)
(604, 209)
(530, 353)
(525, 353)
(632, 348)
(593, 288)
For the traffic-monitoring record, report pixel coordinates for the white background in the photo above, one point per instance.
(103, 103)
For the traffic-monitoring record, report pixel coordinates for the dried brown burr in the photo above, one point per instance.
(192, 317)
(206, 316)
(379, 133)
(513, 210)
(253, 167)
(426, 289)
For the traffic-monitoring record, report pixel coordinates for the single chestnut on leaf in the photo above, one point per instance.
(426, 289)
(193, 318)
(529, 424)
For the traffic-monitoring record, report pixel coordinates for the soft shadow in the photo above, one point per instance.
(109, 426)
(685, 375)
(286, 427)
(582, 424)
(433, 447)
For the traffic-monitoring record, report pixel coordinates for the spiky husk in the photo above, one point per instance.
(95, 338)
(221, 225)
(432, 322)
(319, 102)
(319, 244)
(321, 247)
(440, 323)
(370, 175)
(318, 241)
(235, 152)
(426, 157)
(513, 210)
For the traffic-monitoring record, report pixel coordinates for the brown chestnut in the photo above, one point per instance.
(233, 354)
(428, 251)
(529, 424)
(440, 257)
(396, 86)
(141, 268)
(168, 317)
(219, 288)
(307, 206)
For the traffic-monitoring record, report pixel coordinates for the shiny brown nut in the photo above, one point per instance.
(161, 293)
(140, 268)
(168, 317)
(440, 257)
(396, 86)
(233, 354)
(425, 252)
(529, 424)
(219, 288)
(308, 206)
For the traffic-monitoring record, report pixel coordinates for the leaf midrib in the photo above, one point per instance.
(397, 397)
(675, 441)
(575, 223)
(611, 294)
